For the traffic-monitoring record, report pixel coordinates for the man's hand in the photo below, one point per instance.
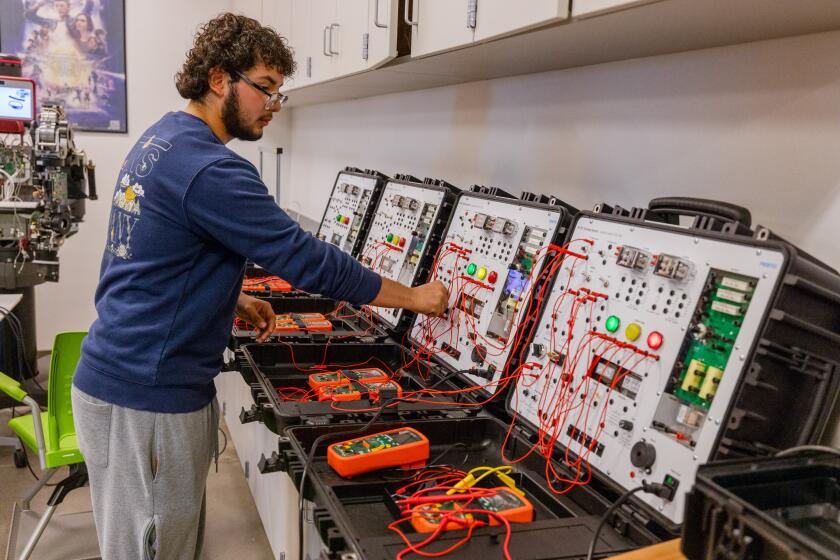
(257, 312)
(430, 299)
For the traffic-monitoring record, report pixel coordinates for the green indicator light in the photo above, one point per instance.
(338, 218)
(471, 269)
(389, 237)
(613, 323)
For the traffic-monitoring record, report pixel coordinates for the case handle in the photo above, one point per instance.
(689, 206)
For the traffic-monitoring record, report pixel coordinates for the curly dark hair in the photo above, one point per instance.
(234, 43)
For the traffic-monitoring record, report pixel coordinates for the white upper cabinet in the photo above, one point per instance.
(586, 8)
(303, 43)
(383, 22)
(350, 36)
(325, 32)
(496, 18)
(440, 25)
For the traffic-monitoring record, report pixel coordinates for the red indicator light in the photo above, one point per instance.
(655, 340)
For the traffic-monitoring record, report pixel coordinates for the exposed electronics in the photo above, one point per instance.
(405, 233)
(402, 447)
(44, 182)
(491, 254)
(662, 347)
(350, 208)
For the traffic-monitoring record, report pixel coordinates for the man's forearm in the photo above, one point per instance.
(428, 299)
(394, 294)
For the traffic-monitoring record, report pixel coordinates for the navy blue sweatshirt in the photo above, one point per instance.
(186, 213)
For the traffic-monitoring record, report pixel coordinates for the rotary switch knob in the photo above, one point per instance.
(643, 455)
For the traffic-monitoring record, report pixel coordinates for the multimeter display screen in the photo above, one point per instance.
(17, 101)
(376, 442)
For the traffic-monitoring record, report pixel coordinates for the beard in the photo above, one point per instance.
(233, 122)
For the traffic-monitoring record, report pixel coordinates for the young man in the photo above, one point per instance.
(187, 211)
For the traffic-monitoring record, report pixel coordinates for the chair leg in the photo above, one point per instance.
(36, 536)
(45, 477)
(77, 478)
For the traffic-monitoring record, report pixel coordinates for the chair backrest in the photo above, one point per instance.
(67, 349)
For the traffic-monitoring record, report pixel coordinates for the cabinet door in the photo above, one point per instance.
(586, 8)
(278, 14)
(441, 25)
(322, 15)
(496, 18)
(303, 44)
(349, 30)
(383, 23)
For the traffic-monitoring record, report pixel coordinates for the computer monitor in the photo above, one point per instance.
(17, 100)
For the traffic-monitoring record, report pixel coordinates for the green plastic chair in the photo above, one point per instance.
(51, 434)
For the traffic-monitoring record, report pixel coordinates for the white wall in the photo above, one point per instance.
(754, 124)
(158, 35)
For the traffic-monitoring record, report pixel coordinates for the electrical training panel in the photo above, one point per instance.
(492, 251)
(349, 209)
(404, 234)
(641, 345)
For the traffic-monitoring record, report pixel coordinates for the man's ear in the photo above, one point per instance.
(218, 79)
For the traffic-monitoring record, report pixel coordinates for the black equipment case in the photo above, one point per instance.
(793, 367)
(778, 507)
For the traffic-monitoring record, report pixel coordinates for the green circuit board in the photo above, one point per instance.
(723, 305)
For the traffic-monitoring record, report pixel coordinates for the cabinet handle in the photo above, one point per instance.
(407, 16)
(332, 26)
(376, 16)
(324, 45)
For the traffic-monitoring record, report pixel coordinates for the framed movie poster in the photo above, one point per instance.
(74, 50)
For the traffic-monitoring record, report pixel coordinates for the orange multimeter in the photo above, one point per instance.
(309, 322)
(340, 393)
(400, 447)
(345, 376)
(505, 503)
(357, 390)
(266, 284)
(291, 322)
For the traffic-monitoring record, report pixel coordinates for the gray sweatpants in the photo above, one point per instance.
(148, 473)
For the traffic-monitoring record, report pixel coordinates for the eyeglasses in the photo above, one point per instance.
(274, 97)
